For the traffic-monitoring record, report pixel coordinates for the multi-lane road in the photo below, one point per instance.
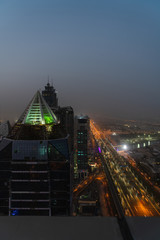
(135, 199)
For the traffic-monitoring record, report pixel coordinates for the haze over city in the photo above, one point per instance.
(103, 56)
(79, 119)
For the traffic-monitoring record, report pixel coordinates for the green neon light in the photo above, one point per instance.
(39, 112)
(48, 119)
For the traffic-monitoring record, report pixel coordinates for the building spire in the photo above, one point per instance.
(48, 83)
(38, 112)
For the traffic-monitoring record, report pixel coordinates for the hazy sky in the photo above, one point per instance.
(103, 56)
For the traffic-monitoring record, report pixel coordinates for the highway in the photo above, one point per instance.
(144, 175)
(133, 194)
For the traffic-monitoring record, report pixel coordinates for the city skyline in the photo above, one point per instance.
(79, 119)
(102, 56)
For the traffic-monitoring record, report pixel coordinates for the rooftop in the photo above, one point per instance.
(38, 112)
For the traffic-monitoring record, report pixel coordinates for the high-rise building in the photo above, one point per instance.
(35, 165)
(50, 95)
(66, 118)
(81, 142)
(65, 115)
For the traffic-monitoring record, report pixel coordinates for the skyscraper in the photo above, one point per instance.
(81, 141)
(35, 164)
(65, 114)
(66, 118)
(50, 96)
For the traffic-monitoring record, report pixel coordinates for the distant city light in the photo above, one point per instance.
(125, 147)
(114, 134)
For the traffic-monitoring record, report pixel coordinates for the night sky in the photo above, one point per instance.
(103, 56)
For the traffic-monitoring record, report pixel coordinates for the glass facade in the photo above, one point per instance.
(31, 149)
(36, 180)
(35, 165)
(82, 135)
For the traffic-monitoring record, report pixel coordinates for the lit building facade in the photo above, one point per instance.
(81, 141)
(35, 167)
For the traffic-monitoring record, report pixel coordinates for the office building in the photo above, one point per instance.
(81, 142)
(66, 119)
(50, 95)
(65, 115)
(35, 165)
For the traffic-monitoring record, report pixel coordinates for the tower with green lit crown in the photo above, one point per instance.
(35, 164)
(38, 112)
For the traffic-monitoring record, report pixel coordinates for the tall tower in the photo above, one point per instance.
(50, 95)
(82, 137)
(65, 114)
(35, 165)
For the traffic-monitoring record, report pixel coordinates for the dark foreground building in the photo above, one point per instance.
(66, 118)
(35, 165)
